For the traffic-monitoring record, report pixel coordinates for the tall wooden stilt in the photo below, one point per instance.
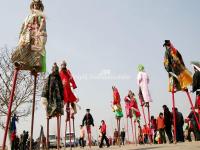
(127, 128)
(33, 108)
(132, 130)
(58, 132)
(47, 133)
(174, 114)
(10, 107)
(192, 106)
(135, 132)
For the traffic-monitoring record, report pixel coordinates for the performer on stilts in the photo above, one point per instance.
(144, 94)
(52, 99)
(116, 107)
(30, 54)
(69, 98)
(88, 121)
(179, 76)
(132, 111)
(196, 84)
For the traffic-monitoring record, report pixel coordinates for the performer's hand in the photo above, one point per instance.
(77, 100)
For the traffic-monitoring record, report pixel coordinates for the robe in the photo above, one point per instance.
(116, 104)
(179, 75)
(143, 81)
(53, 95)
(30, 52)
(68, 81)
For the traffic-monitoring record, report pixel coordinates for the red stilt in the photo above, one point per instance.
(143, 111)
(10, 107)
(65, 129)
(74, 132)
(33, 108)
(58, 132)
(132, 130)
(89, 136)
(191, 104)
(149, 124)
(174, 113)
(127, 128)
(135, 132)
(47, 133)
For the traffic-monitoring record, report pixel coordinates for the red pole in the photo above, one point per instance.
(65, 128)
(132, 129)
(47, 133)
(135, 133)
(174, 114)
(33, 108)
(150, 136)
(58, 132)
(143, 111)
(127, 128)
(190, 100)
(10, 107)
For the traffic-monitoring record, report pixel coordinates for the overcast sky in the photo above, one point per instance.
(109, 38)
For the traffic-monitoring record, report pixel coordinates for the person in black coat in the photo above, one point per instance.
(88, 121)
(168, 123)
(196, 83)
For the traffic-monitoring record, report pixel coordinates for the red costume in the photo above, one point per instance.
(116, 96)
(68, 81)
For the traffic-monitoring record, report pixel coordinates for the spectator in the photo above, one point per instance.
(104, 137)
(168, 123)
(145, 132)
(153, 128)
(194, 125)
(179, 126)
(161, 128)
(115, 137)
(82, 136)
(123, 134)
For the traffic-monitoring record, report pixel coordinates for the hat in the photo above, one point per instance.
(87, 109)
(167, 43)
(140, 67)
(196, 65)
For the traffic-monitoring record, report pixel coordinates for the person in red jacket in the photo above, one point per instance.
(68, 82)
(104, 137)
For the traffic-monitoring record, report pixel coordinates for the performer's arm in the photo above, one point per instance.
(72, 80)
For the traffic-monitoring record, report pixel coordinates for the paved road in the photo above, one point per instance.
(178, 146)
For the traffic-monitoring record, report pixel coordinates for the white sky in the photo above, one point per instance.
(110, 37)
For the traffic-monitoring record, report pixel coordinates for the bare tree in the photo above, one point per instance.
(22, 101)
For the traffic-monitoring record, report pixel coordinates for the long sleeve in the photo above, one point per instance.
(83, 121)
(72, 80)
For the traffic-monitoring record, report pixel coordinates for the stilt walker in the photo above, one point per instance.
(88, 121)
(116, 107)
(30, 53)
(196, 84)
(69, 99)
(52, 99)
(132, 112)
(144, 94)
(179, 76)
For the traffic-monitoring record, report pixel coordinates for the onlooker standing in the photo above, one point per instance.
(88, 121)
(145, 132)
(104, 137)
(179, 126)
(153, 128)
(82, 136)
(194, 125)
(123, 134)
(115, 137)
(161, 127)
(168, 123)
